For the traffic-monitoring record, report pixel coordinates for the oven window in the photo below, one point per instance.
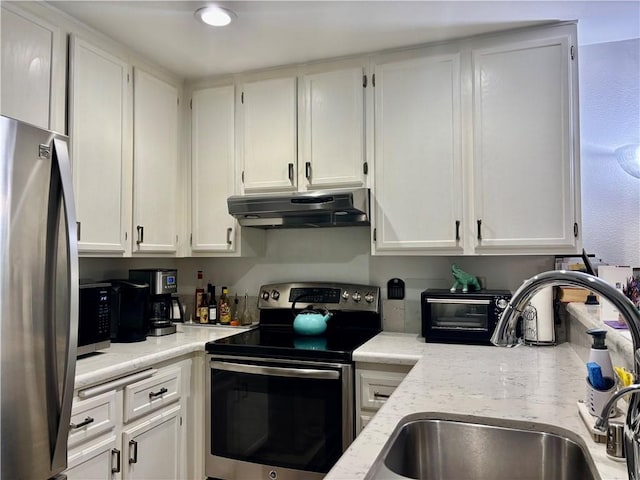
(448, 316)
(280, 421)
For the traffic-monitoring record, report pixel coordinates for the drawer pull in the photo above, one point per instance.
(134, 444)
(84, 423)
(162, 391)
(116, 452)
(377, 395)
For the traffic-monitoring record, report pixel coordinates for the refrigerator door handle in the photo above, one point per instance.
(62, 165)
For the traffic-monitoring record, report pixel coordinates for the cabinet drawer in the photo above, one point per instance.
(92, 417)
(377, 387)
(148, 395)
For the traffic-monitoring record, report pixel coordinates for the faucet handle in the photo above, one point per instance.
(615, 440)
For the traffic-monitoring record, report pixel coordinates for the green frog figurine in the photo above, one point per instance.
(463, 280)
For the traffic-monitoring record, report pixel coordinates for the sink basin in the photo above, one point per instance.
(452, 447)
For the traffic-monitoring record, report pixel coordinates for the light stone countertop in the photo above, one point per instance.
(125, 358)
(536, 384)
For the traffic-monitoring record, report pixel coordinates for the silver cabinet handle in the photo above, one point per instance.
(116, 452)
(84, 423)
(229, 231)
(377, 395)
(140, 230)
(162, 391)
(277, 371)
(134, 444)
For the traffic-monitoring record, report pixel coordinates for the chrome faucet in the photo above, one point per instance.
(603, 420)
(505, 335)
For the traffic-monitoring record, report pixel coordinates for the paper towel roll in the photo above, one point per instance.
(541, 329)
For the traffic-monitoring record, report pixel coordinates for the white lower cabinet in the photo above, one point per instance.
(132, 427)
(154, 448)
(100, 460)
(375, 382)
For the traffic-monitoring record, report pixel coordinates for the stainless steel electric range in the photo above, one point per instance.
(280, 404)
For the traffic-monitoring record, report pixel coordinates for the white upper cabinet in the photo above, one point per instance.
(525, 165)
(212, 169)
(156, 173)
(29, 66)
(476, 146)
(332, 127)
(99, 126)
(418, 172)
(269, 134)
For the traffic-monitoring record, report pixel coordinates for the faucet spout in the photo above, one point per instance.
(603, 419)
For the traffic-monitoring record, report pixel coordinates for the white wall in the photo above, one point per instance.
(610, 118)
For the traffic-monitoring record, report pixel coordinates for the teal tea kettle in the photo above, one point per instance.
(311, 322)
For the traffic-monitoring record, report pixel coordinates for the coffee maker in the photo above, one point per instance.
(162, 284)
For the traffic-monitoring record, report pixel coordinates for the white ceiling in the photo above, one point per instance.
(270, 33)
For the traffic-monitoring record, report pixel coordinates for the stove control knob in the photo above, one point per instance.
(345, 295)
(356, 296)
(369, 298)
(265, 295)
(275, 294)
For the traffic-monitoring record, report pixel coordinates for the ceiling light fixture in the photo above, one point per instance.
(215, 16)
(628, 157)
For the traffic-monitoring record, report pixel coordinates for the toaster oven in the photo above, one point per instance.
(456, 317)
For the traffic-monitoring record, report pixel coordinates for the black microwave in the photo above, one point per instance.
(456, 317)
(94, 318)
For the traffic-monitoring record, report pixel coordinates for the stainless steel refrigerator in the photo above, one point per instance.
(38, 301)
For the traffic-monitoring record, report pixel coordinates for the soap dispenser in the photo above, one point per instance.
(600, 353)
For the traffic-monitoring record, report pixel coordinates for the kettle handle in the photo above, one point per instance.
(303, 295)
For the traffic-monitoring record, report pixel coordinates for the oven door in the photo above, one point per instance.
(276, 419)
(468, 320)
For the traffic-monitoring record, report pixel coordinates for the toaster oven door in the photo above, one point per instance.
(464, 320)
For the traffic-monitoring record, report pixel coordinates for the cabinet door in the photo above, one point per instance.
(156, 197)
(100, 155)
(418, 175)
(269, 147)
(28, 46)
(212, 169)
(100, 461)
(153, 449)
(524, 166)
(333, 129)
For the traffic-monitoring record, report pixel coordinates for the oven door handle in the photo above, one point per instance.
(315, 374)
(453, 301)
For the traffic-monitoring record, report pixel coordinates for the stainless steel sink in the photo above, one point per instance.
(452, 447)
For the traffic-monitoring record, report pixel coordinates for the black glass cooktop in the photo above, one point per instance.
(280, 341)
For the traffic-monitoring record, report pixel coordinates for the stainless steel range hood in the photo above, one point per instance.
(329, 208)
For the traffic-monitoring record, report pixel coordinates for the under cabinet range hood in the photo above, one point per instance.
(328, 208)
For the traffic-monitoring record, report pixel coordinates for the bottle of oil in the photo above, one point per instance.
(224, 307)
